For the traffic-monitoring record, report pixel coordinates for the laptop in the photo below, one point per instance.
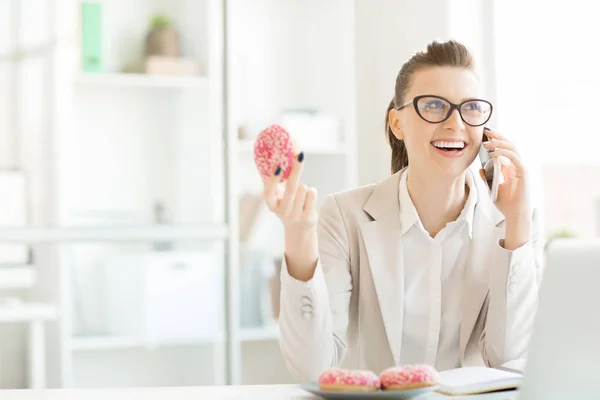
(564, 351)
(563, 361)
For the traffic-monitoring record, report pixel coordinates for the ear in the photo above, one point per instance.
(395, 123)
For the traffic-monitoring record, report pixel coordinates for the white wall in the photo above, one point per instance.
(388, 32)
(550, 78)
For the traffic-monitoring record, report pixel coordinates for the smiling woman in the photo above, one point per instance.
(414, 269)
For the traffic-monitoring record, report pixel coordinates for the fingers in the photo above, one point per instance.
(504, 150)
(287, 202)
(513, 157)
(310, 205)
(494, 135)
(271, 185)
(502, 144)
(297, 202)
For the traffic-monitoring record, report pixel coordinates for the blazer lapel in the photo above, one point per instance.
(485, 235)
(382, 239)
(383, 244)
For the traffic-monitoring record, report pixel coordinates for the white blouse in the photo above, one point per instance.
(433, 284)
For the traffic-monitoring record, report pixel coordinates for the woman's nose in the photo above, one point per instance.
(454, 121)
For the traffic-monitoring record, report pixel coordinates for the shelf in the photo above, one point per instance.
(125, 342)
(247, 146)
(93, 343)
(17, 277)
(144, 81)
(115, 234)
(259, 334)
(26, 312)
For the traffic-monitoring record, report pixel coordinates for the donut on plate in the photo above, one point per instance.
(408, 377)
(274, 147)
(348, 380)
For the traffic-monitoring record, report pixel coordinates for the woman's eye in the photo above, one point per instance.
(434, 105)
(473, 107)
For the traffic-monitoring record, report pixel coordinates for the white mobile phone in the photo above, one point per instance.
(493, 176)
(493, 171)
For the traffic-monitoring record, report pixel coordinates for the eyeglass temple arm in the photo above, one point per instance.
(405, 104)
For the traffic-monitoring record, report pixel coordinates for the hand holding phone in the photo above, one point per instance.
(492, 171)
(493, 176)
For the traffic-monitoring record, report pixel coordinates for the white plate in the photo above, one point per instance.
(313, 387)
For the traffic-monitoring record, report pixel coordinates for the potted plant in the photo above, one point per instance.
(162, 39)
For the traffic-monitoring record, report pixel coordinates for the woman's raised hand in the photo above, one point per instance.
(296, 206)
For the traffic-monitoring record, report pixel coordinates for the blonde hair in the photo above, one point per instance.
(438, 54)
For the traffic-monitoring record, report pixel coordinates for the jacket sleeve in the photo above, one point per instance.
(314, 314)
(513, 301)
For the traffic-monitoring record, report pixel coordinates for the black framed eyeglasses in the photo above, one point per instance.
(435, 109)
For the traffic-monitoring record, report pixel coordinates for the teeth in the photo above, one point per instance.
(449, 145)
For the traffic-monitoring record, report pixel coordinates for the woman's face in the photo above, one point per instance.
(436, 147)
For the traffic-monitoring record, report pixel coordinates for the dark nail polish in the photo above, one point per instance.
(301, 156)
(486, 128)
(277, 171)
(491, 150)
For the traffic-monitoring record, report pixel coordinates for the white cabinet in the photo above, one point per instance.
(163, 296)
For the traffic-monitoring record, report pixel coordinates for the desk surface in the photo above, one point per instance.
(204, 392)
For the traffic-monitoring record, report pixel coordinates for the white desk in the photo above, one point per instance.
(266, 392)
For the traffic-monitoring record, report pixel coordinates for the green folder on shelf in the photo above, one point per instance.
(91, 36)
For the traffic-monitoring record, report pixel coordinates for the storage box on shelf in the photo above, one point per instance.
(165, 295)
(17, 277)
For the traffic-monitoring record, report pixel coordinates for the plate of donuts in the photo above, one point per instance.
(402, 383)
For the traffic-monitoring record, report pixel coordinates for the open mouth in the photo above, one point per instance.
(447, 146)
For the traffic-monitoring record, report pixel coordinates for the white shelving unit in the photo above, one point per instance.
(141, 80)
(123, 342)
(260, 334)
(35, 317)
(122, 144)
(17, 277)
(141, 233)
(27, 312)
(125, 145)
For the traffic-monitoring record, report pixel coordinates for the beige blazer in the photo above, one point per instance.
(350, 313)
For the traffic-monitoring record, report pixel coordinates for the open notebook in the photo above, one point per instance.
(471, 380)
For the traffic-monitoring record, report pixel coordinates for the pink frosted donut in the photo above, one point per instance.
(348, 380)
(274, 147)
(408, 377)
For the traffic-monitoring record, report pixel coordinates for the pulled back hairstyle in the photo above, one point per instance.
(438, 54)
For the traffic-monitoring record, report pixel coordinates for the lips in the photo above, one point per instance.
(449, 145)
(450, 148)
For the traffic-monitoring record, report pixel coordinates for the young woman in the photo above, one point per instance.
(422, 267)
